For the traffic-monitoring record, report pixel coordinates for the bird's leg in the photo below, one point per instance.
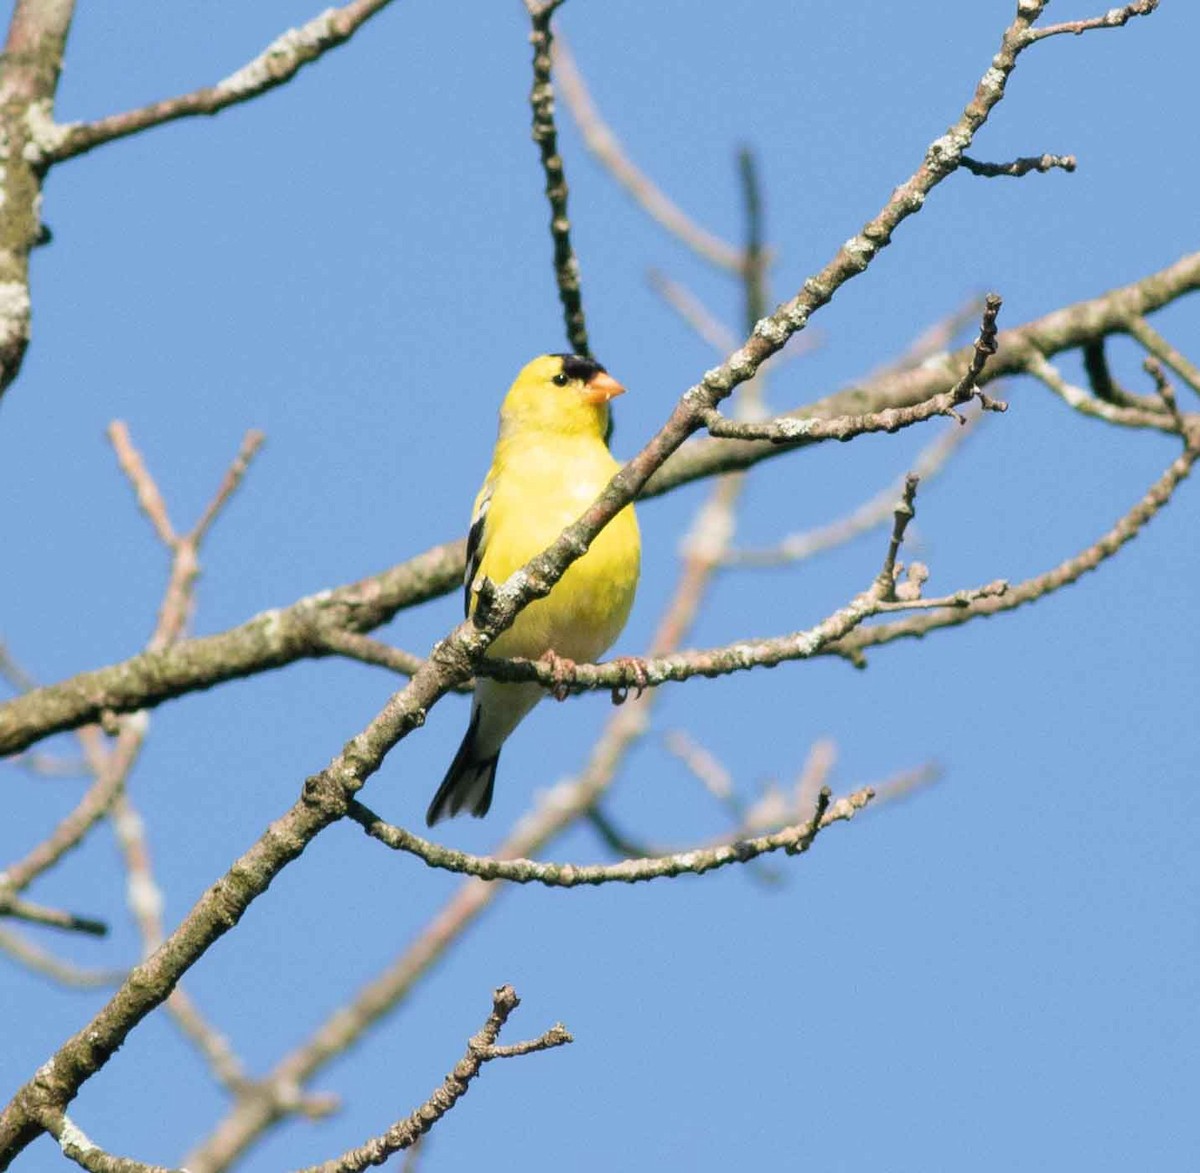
(563, 671)
(641, 678)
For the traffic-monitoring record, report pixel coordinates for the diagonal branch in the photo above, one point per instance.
(277, 64)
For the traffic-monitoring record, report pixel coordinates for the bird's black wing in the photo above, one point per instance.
(476, 542)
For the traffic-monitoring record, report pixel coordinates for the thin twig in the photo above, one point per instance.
(481, 1049)
(1019, 167)
(11, 671)
(1079, 400)
(756, 298)
(693, 312)
(92, 807)
(45, 765)
(902, 513)
(866, 517)
(1062, 330)
(793, 840)
(1166, 393)
(54, 918)
(278, 63)
(146, 902)
(1158, 346)
(603, 143)
(621, 844)
(904, 783)
(1113, 18)
(799, 432)
(77, 1146)
(112, 765)
(1018, 594)
(702, 764)
(933, 340)
(355, 646)
(47, 965)
(251, 443)
(145, 488)
(545, 134)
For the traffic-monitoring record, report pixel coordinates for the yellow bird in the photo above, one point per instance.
(551, 462)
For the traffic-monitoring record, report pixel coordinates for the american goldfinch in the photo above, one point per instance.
(551, 462)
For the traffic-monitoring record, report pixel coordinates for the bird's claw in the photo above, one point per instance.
(562, 671)
(641, 679)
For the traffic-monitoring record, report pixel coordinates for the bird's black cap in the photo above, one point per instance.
(577, 366)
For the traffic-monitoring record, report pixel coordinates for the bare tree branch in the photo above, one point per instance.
(1019, 167)
(29, 72)
(77, 1146)
(702, 321)
(481, 1049)
(1018, 594)
(703, 548)
(39, 961)
(603, 143)
(1064, 329)
(145, 488)
(866, 517)
(1113, 18)
(789, 430)
(545, 134)
(278, 63)
(38, 914)
(89, 810)
(794, 840)
(366, 650)
(283, 635)
(330, 795)
(1158, 346)
(735, 657)
(1078, 399)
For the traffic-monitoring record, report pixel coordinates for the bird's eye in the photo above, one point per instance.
(560, 380)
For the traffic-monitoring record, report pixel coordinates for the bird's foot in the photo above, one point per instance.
(641, 678)
(562, 671)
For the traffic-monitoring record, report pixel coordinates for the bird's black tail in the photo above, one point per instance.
(468, 783)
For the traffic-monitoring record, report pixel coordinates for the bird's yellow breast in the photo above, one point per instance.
(536, 494)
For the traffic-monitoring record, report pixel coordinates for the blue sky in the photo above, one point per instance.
(997, 971)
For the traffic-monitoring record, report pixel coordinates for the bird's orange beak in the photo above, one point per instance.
(600, 388)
